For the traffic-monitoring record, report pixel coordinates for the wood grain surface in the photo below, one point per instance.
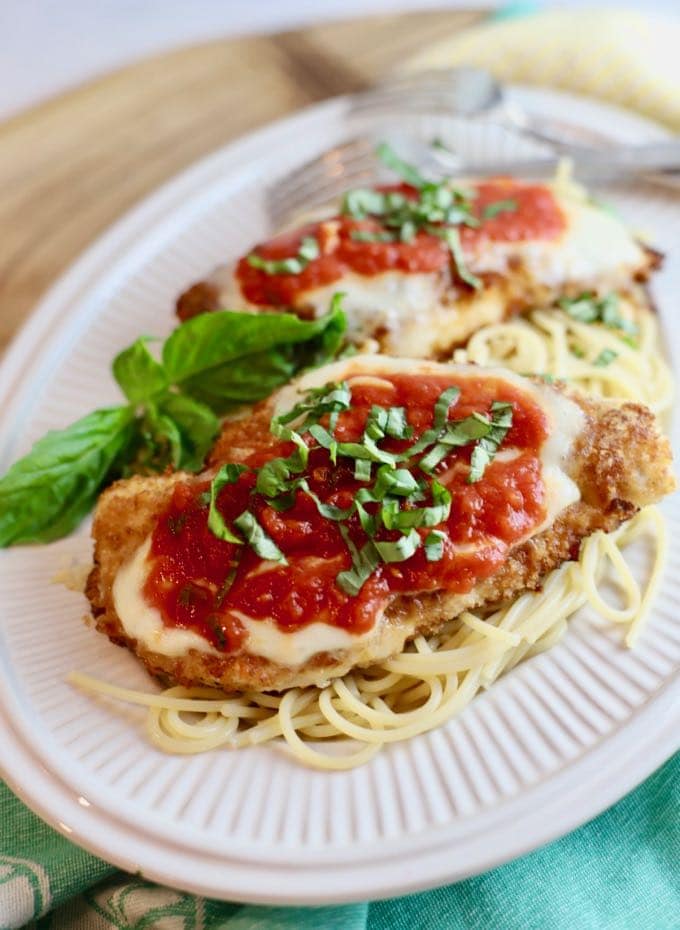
(73, 165)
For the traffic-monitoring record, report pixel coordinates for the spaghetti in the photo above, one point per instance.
(590, 356)
(418, 690)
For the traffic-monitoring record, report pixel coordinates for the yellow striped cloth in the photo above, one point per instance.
(625, 57)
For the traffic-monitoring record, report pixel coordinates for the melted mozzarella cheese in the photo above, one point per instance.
(385, 301)
(266, 639)
(143, 622)
(595, 250)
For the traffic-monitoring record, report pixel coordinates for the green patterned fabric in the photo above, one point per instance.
(619, 872)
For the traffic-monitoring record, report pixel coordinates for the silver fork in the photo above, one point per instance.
(469, 92)
(458, 92)
(323, 179)
(461, 92)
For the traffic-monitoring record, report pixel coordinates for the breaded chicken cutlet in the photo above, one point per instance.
(395, 495)
(415, 291)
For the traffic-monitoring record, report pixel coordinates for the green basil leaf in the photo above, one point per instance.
(398, 482)
(452, 238)
(45, 494)
(434, 546)
(609, 312)
(395, 519)
(258, 539)
(197, 424)
(400, 550)
(584, 308)
(442, 406)
(589, 308)
(138, 373)
(363, 202)
(329, 511)
(460, 432)
(499, 206)
(205, 346)
(366, 449)
(362, 469)
(295, 264)
(397, 426)
(330, 398)
(364, 563)
(487, 446)
(156, 444)
(272, 478)
(242, 381)
(606, 357)
(325, 440)
(391, 160)
(228, 474)
(436, 454)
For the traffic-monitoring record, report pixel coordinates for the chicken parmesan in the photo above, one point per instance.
(425, 266)
(368, 503)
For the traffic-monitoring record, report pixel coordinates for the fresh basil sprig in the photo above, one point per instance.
(208, 366)
(45, 494)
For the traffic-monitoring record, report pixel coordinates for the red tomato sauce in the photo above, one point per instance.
(536, 217)
(202, 583)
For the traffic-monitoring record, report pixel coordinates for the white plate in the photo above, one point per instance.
(551, 745)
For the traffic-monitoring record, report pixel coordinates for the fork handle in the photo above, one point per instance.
(590, 164)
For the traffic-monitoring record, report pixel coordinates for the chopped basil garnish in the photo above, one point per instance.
(487, 446)
(331, 398)
(228, 474)
(436, 207)
(458, 433)
(308, 251)
(273, 477)
(391, 496)
(434, 546)
(362, 469)
(391, 160)
(589, 308)
(364, 563)
(452, 238)
(395, 519)
(499, 206)
(399, 482)
(363, 202)
(257, 539)
(606, 357)
(399, 550)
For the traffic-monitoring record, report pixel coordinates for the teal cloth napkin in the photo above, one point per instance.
(619, 872)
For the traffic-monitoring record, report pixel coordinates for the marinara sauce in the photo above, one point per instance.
(536, 216)
(200, 582)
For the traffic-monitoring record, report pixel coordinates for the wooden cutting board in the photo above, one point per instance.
(71, 166)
